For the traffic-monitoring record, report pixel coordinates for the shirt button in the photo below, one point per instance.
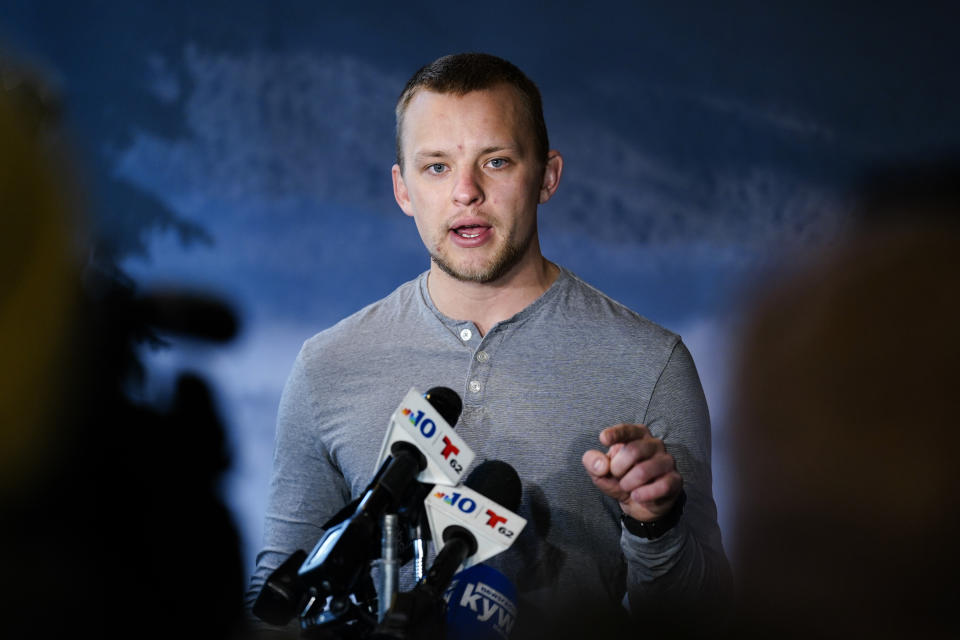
(466, 334)
(475, 386)
(482, 356)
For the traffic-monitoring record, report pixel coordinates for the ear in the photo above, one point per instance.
(400, 193)
(551, 175)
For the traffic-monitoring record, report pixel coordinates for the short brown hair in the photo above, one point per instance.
(462, 73)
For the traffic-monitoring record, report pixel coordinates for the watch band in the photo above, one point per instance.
(656, 528)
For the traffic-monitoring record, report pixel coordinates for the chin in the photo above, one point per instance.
(464, 273)
(483, 274)
(495, 267)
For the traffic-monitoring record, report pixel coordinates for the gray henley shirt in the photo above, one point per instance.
(537, 390)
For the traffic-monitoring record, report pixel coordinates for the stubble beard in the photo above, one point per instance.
(507, 257)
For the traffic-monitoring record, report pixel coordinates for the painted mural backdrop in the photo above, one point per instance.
(244, 149)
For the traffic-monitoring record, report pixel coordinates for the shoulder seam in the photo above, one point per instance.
(653, 390)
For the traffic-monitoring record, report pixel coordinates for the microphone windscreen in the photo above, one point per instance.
(481, 605)
(498, 481)
(447, 402)
(189, 313)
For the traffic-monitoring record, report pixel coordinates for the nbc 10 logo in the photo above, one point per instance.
(468, 506)
(428, 429)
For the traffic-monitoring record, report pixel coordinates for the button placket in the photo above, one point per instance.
(479, 369)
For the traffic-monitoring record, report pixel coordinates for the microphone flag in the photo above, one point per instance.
(418, 422)
(493, 526)
(481, 605)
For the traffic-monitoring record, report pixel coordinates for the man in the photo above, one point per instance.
(548, 368)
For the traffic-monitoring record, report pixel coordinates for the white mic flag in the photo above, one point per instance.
(418, 422)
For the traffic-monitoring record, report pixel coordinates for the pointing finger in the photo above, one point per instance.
(622, 433)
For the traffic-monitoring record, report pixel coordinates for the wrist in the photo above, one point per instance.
(655, 528)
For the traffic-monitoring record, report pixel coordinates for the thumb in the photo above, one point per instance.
(596, 463)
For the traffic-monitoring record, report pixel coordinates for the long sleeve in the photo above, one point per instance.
(686, 569)
(306, 488)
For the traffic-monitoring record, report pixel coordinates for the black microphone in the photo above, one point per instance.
(448, 404)
(410, 508)
(340, 557)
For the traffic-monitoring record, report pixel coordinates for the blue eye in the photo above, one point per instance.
(436, 167)
(497, 163)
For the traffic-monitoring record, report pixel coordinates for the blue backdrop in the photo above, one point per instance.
(244, 148)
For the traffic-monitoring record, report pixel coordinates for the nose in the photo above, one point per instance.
(467, 189)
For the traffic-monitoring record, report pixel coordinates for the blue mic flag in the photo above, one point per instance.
(481, 605)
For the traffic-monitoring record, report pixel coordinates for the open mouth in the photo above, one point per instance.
(470, 231)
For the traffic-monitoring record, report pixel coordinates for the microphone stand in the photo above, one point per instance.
(340, 619)
(419, 614)
(389, 565)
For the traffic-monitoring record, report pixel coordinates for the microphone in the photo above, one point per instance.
(449, 452)
(475, 522)
(425, 421)
(336, 564)
(473, 527)
(447, 456)
(414, 422)
(410, 446)
(481, 605)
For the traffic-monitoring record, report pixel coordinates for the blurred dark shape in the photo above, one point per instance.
(36, 99)
(113, 522)
(909, 193)
(188, 313)
(846, 430)
(581, 620)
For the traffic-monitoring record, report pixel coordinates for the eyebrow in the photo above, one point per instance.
(499, 147)
(425, 155)
(439, 154)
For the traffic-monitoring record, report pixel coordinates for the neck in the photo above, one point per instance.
(486, 304)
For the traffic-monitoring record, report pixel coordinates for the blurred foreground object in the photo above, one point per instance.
(846, 433)
(39, 282)
(113, 523)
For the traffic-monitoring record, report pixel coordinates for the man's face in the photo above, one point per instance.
(472, 182)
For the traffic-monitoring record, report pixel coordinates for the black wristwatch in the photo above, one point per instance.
(658, 527)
